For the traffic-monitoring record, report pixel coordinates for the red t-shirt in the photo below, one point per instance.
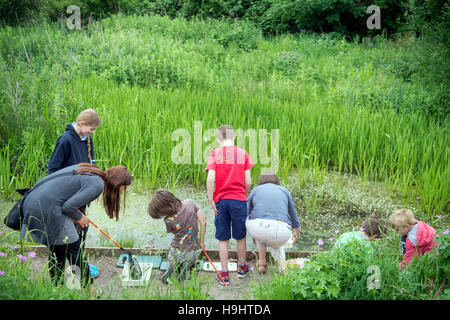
(229, 163)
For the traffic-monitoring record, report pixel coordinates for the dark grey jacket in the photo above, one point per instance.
(49, 210)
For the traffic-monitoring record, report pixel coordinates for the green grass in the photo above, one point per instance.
(337, 105)
(20, 281)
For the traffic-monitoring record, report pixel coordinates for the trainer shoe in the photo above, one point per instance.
(93, 270)
(225, 277)
(243, 270)
(170, 271)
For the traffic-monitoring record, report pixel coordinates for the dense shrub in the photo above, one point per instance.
(344, 16)
(17, 11)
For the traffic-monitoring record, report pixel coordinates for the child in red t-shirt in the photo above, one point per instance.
(228, 183)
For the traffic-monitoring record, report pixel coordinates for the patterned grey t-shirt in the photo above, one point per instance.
(184, 226)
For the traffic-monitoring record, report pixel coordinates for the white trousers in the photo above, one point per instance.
(270, 233)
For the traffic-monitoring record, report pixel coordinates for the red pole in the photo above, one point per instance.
(220, 276)
(104, 233)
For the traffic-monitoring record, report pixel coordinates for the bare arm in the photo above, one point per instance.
(211, 185)
(202, 222)
(296, 233)
(247, 180)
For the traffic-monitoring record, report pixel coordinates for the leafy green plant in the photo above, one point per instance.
(341, 16)
(19, 281)
(346, 273)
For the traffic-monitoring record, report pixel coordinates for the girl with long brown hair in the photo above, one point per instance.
(52, 215)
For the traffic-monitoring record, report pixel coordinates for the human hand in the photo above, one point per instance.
(202, 245)
(213, 205)
(296, 235)
(83, 222)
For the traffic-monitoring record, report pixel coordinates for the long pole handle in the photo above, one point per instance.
(220, 276)
(104, 233)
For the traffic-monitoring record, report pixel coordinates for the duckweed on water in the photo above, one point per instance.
(344, 202)
(327, 207)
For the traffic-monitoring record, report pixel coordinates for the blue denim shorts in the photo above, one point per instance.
(231, 217)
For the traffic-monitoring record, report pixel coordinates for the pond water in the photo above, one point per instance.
(336, 204)
(327, 205)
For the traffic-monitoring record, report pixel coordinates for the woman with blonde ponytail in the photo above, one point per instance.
(75, 145)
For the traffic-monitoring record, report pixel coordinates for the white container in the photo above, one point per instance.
(126, 279)
(232, 266)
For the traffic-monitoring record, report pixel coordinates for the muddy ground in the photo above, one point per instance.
(109, 282)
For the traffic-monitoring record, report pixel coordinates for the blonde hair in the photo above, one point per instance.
(402, 217)
(89, 117)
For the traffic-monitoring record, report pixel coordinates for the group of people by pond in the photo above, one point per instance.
(55, 213)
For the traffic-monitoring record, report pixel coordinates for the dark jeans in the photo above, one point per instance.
(403, 244)
(74, 252)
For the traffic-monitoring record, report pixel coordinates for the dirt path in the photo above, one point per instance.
(109, 282)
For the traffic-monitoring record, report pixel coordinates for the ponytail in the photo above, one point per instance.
(88, 144)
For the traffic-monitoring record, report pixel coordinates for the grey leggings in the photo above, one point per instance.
(178, 256)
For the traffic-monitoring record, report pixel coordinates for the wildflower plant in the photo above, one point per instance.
(287, 62)
(19, 281)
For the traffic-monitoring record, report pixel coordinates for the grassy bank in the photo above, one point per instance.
(347, 273)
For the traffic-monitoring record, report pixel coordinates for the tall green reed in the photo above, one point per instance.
(334, 106)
